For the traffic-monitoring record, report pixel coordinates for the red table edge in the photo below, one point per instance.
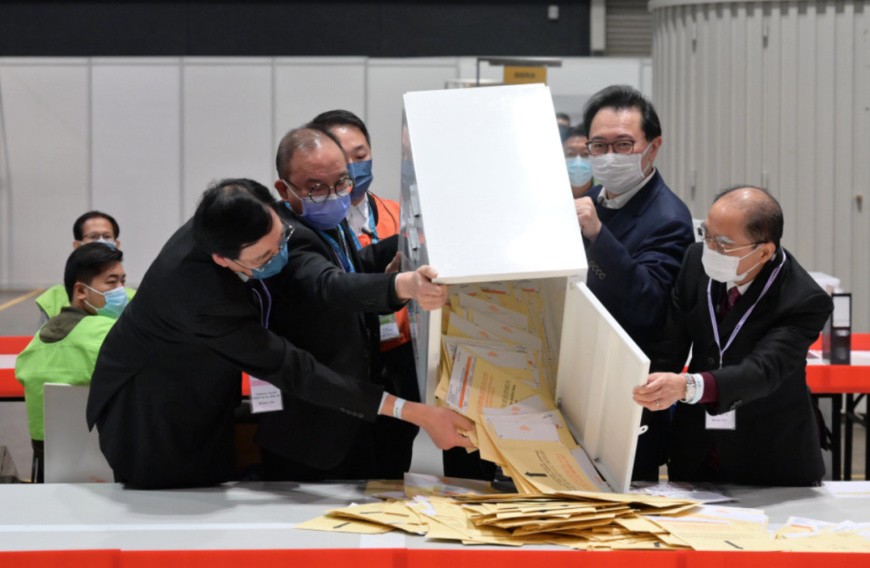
(424, 558)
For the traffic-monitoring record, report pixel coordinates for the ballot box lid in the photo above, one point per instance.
(599, 365)
(492, 185)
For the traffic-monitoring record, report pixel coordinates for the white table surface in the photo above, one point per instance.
(262, 516)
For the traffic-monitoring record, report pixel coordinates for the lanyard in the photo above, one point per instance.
(745, 316)
(265, 307)
(372, 228)
(340, 255)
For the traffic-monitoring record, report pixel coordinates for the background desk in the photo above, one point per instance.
(835, 382)
(251, 524)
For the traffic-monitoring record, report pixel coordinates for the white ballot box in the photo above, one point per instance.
(486, 199)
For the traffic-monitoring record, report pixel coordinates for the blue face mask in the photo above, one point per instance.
(579, 171)
(116, 301)
(272, 266)
(326, 214)
(361, 172)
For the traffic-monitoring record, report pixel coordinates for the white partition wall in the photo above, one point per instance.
(136, 152)
(776, 94)
(226, 123)
(46, 109)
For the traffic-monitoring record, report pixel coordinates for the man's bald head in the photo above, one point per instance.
(760, 212)
(305, 139)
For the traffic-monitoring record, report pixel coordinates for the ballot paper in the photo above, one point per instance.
(496, 311)
(476, 383)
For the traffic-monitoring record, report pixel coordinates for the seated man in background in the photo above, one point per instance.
(577, 160)
(91, 227)
(372, 218)
(65, 348)
(749, 312)
(327, 301)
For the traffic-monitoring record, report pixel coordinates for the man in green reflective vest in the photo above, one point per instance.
(91, 227)
(65, 348)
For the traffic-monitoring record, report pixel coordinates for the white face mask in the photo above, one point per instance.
(618, 172)
(723, 268)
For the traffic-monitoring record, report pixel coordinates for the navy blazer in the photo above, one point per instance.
(636, 257)
(763, 377)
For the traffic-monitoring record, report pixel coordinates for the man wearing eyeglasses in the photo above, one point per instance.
(749, 312)
(635, 230)
(168, 376)
(327, 301)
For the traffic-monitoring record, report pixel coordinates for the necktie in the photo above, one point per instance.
(730, 300)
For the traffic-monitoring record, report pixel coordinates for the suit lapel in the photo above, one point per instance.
(625, 218)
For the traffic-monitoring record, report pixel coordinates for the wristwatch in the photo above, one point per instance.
(691, 388)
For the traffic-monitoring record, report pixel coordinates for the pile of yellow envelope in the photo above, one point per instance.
(590, 521)
(498, 369)
(581, 520)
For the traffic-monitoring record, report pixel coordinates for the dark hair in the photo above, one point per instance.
(304, 138)
(79, 225)
(576, 131)
(623, 97)
(563, 116)
(232, 214)
(86, 263)
(764, 221)
(330, 118)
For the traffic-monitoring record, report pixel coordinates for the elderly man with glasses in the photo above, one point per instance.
(635, 230)
(327, 301)
(749, 312)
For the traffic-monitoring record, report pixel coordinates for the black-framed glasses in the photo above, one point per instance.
(320, 192)
(599, 148)
(718, 242)
(288, 232)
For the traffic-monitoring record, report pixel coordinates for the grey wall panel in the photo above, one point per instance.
(778, 95)
(305, 87)
(45, 106)
(136, 153)
(386, 81)
(226, 124)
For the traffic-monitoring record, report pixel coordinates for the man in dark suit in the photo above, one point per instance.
(327, 301)
(636, 231)
(167, 379)
(750, 312)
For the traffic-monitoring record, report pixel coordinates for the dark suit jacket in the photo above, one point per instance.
(168, 375)
(632, 267)
(333, 315)
(636, 257)
(776, 440)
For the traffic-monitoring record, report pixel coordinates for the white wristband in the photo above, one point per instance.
(397, 408)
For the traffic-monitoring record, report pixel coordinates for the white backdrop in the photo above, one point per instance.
(140, 138)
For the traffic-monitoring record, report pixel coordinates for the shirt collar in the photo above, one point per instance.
(358, 216)
(620, 200)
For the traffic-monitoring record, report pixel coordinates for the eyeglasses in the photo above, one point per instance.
(288, 232)
(90, 237)
(320, 192)
(718, 242)
(598, 148)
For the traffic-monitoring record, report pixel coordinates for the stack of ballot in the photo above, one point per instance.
(580, 520)
(498, 369)
(437, 509)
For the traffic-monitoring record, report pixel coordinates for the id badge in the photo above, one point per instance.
(389, 327)
(727, 421)
(265, 397)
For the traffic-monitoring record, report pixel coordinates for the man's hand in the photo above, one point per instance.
(590, 225)
(443, 425)
(418, 286)
(660, 391)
